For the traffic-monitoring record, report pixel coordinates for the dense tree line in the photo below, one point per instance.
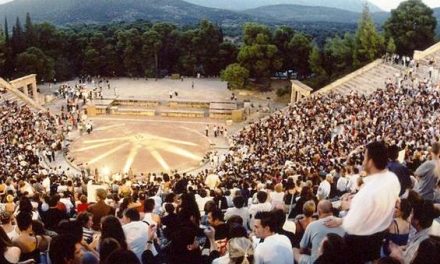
(142, 49)
(138, 49)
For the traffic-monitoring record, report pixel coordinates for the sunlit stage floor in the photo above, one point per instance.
(142, 145)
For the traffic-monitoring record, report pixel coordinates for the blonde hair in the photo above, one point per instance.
(240, 250)
(309, 208)
(278, 187)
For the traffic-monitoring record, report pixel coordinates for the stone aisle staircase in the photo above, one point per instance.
(13, 94)
(365, 80)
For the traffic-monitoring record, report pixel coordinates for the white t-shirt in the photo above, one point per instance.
(136, 234)
(276, 249)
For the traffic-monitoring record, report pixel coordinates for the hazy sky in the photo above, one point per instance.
(391, 4)
(384, 4)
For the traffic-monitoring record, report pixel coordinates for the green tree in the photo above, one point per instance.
(29, 32)
(2, 53)
(18, 42)
(412, 26)
(130, 43)
(300, 46)
(317, 61)
(282, 38)
(258, 54)
(6, 30)
(339, 52)
(391, 46)
(235, 75)
(369, 44)
(33, 60)
(152, 44)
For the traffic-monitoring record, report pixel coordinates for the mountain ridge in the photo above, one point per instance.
(351, 5)
(286, 12)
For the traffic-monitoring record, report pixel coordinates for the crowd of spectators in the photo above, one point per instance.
(330, 179)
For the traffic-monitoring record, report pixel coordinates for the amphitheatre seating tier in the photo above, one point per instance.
(189, 104)
(21, 98)
(8, 95)
(222, 110)
(181, 113)
(124, 110)
(365, 80)
(143, 103)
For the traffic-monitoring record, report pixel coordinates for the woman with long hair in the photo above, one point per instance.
(398, 232)
(111, 227)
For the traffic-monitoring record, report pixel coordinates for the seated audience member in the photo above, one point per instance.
(170, 220)
(38, 229)
(428, 251)
(239, 210)
(64, 249)
(136, 232)
(149, 217)
(263, 205)
(111, 227)
(315, 233)
(86, 221)
(276, 248)
(185, 249)
(215, 219)
(239, 250)
(83, 205)
(422, 217)
(280, 217)
(53, 216)
(27, 241)
(106, 247)
(428, 173)
(332, 250)
(74, 229)
(399, 230)
(309, 209)
(8, 252)
(6, 222)
(122, 256)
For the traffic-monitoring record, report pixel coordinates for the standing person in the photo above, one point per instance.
(371, 210)
(100, 209)
(276, 248)
(207, 130)
(428, 173)
(400, 170)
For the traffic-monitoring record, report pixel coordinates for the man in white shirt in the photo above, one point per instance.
(136, 232)
(325, 187)
(276, 248)
(239, 210)
(371, 209)
(262, 206)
